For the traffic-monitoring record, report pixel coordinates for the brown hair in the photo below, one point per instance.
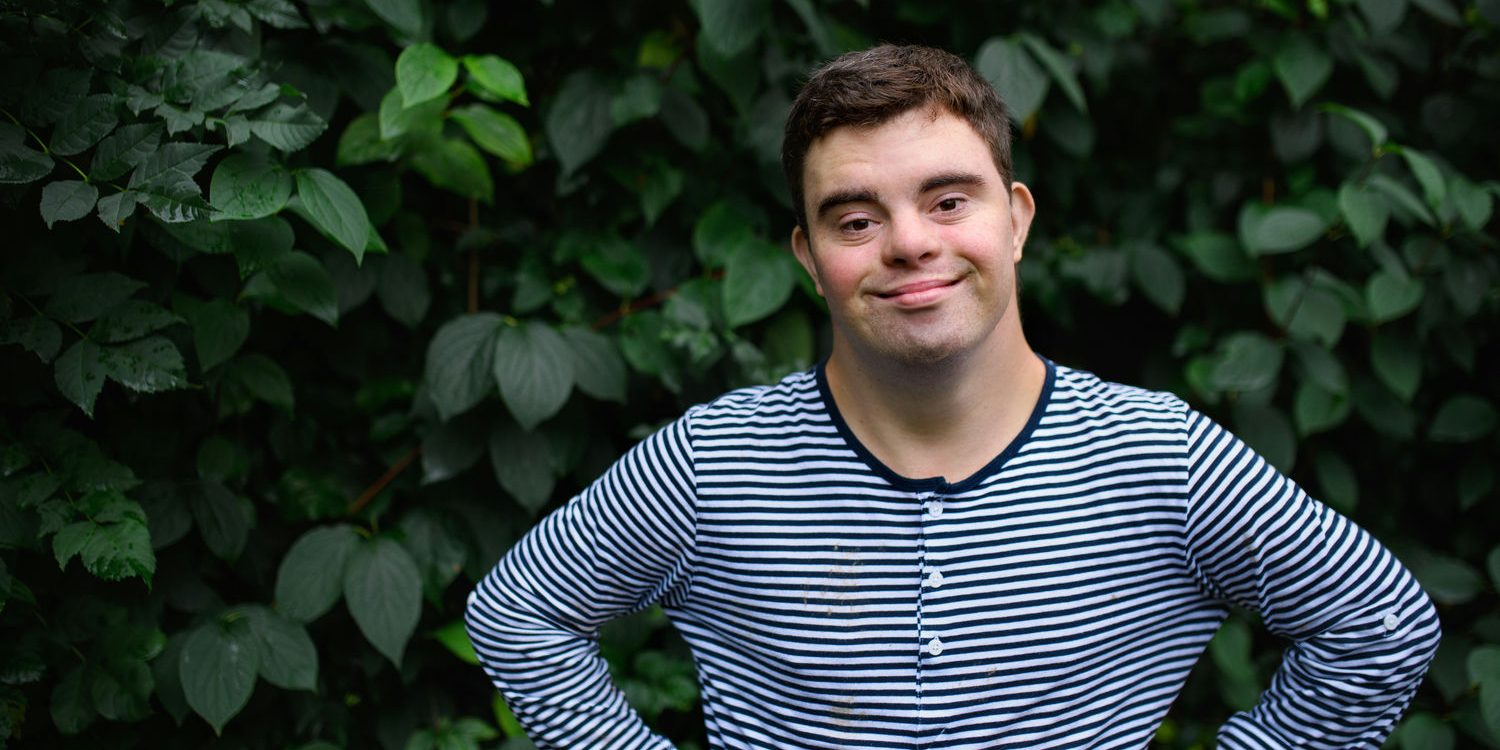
(873, 86)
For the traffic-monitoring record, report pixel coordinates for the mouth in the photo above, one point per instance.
(918, 293)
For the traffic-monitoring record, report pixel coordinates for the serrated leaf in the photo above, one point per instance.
(1279, 229)
(148, 365)
(1463, 418)
(79, 374)
(1059, 67)
(217, 667)
(495, 132)
(598, 368)
(383, 591)
(175, 203)
(454, 165)
(534, 369)
(311, 576)
(424, 72)
(124, 149)
(517, 459)
(1021, 83)
(81, 298)
(396, 120)
(130, 320)
(460, 362)
(70, 707)
(244, 187)
(84, 125)
(37, 333)
(19, 164)
(288, 127)
(496, 79)
(171, 165)
(404, 15)
(67, 200)
(758, 280)
(579, 121)
(334, 209)
(288, 657)
(1302, 66)
(361, 143)
(223, 519)
(731, 26)
(114, 209)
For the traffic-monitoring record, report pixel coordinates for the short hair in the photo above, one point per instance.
(873, 86)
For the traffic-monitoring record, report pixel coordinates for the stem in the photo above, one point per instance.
(29, 131)
(385, 479)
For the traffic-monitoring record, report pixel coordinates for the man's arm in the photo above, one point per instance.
(616, 547)
(1362, 630)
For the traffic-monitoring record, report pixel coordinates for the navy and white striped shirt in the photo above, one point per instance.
(1057, 598)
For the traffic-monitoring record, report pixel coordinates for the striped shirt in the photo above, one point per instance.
(1057, 598)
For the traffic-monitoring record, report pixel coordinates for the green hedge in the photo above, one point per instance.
(308, 310)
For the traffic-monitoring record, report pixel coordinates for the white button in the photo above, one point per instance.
(935, 508)
(1390, 622)
(935, 647)
(935, 579)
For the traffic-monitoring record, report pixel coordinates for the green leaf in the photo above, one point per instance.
(495, 79)
(451, 448)
(1020, 82)
(1303, 67)
(615, 263)
(111, 551)
(435, 542)
(79, 374)
(455, 638)
(223, 519)
(171, 165)
(1159, 276)
(495, 132)
(1217, 256)
(131, 320)
(638, 99)
(1447, 580)
(579, 121)
(311, 576)
(598, 368)
(124, 149)
(71, 709)
(220, 328)
(19, 164)
(1269, 432)
(305, 284)
(1307, 312)
(361, 143)
(460, 362)
(1060, 68)
(84, 125)
(684, 118)
(758, 280)
(520, 462)
(1383, 16)
(37, 333)
(1316, 410)
(403, 289)
(1443, 11)
(1365, 210)
(1423, 731)
(731, 26)
(454, 165)
(1339, 483)
(1247, 361)
(1492, 563)
(1397, 361)
(115, 209)
(1278, 229)
(1389, 296)
(82, 297)
(1372, 127)
(287, 127)
(1428, 176)
(534, 369)
(424, 72)
(66, 200)
(404, 15)
(334, 209)
(396, 120)
(1402, 198)
(263, 379)
(288, 657)
(148, 365)
(721, 230)
(383, 591)
(244, 187)
(1463, 418)
(217, 668)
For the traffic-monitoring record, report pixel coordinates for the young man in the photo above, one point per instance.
(938, 539)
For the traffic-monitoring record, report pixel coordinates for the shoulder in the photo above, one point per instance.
(791, 399)
(1082, 396)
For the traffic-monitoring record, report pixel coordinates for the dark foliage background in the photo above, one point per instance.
(307, 310)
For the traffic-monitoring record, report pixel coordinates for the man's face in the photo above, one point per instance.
(912, 237)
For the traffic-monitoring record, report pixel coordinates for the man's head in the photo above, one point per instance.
(873, 86)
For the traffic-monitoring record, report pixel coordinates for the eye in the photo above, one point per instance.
(948, 205)
(857, 225)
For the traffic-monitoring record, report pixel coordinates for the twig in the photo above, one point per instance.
(385, 479)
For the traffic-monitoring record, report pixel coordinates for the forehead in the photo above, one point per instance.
(909, 147)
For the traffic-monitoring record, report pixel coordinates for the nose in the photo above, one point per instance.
(910, 240)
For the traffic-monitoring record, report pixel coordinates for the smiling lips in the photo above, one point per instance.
(918, 293)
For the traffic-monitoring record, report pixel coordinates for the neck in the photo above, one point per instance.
(944, 419)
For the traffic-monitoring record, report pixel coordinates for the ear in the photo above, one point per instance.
(1022, 210)
(802, 248)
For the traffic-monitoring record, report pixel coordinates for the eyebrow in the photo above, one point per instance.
(860, 195)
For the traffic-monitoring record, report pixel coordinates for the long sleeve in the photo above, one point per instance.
(1362, 630)
(621, 544)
